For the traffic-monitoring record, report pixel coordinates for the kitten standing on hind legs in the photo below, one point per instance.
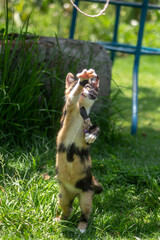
(73, 162)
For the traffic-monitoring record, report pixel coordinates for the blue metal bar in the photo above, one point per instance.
(135, 96)
(153, 6)
(120, 3)
(127, 48)
(150, 51)
(117, 47)
(127, 4)
(115, 35)
(73, 22)
(135, 69)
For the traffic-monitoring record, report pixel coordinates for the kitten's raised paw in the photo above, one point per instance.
(90, 138)
(86, 74)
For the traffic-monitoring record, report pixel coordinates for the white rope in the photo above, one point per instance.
(99, 14)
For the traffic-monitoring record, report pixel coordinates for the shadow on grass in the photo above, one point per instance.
(148, 100)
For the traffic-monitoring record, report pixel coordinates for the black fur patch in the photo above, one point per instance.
(83, 218)
(61, 148)
(73, 150)
(88, 170)
(93, 94)
(98, 189)
(56, 170)
(60, 195)
(83, 83)
(83, 113)
(94, 130)
(83, 154)
(70, 153)
(85, 184)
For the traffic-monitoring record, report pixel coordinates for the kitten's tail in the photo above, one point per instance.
(97, 187)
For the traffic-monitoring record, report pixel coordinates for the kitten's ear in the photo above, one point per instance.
(69, 79)
(95, 82)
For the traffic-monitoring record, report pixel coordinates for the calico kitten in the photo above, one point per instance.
(73, 162)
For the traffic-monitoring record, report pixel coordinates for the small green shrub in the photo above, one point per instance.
(20, 88)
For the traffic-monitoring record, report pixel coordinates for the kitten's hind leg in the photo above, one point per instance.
(66, 199)
(86, 208)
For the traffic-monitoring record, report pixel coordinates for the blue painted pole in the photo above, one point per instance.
(115, 34)
(136, 68)
(73, 21)
(135, 96)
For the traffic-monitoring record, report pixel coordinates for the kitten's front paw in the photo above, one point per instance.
(86, 74)
(90, 138)
(91, 134)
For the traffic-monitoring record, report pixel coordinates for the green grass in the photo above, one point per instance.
(127, 166)
(149, 90)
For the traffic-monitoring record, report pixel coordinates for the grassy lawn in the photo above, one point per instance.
(128, 167)
(149, 90)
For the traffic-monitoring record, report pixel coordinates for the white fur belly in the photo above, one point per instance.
(74, 133)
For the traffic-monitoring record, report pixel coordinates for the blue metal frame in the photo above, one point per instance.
(115, 35)
(136, 68)
(73, 22)
(114, 46)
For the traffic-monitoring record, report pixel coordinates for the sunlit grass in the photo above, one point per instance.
(149, 89)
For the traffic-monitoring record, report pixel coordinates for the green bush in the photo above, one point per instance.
(25, 108)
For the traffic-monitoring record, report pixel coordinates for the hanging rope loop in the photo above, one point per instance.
(93, 16)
